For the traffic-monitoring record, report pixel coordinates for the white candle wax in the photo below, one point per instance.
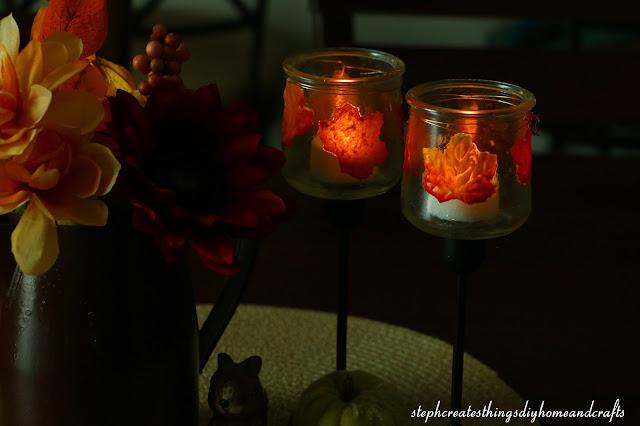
(325, 166)
(459, 211)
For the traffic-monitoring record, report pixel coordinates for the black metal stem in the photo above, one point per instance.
(344, 215)
(343, 299)
(458, 347)
(462, 257)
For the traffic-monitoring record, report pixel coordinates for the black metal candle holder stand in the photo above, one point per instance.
(345, 215)
(462, 257)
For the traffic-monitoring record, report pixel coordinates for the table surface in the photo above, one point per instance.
(554, 308)
(298, 347)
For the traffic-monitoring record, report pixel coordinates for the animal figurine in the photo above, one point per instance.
(236, 396)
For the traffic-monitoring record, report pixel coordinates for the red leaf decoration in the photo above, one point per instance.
(354, 140)
(521, 154)
(297, 118)
(87, 19)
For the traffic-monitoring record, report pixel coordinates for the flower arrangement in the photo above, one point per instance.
(73, 127)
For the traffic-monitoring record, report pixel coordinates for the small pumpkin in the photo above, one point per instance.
(350, 398)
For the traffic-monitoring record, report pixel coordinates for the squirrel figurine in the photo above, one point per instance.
(236, 396)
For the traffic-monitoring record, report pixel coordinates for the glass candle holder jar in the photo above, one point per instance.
(342, 122)
(467, 166)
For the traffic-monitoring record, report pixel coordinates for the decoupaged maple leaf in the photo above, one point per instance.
(521, 154)
(297, 118)
(355, 140)
(460, 171)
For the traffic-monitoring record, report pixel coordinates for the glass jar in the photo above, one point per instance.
(467, 166)
(342, 122)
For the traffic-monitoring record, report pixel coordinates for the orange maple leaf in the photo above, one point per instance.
(521, 154)
(87, 19)
(354, 140)
(297, 118)
(460, 171)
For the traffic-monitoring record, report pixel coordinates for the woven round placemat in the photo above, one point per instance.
(298, 346)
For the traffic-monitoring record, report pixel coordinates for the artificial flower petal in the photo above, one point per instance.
(82, 211)
(17, 143)
(89, 80)
(355, 140)
(109, 165)
(51, 148)
(71, 43)
(83, 178)
(29, 65)
(247, 175)
(143, 218)
(9, 83)
(60, 75)
(266, 206)
(217, 252)
(16, 171)
(44, 179)
(9, 203)
(118, 77)
(10, 35)
(36, 105)
(297, 118)
(34, 241)
(6, 115)
(239, 215)
(74, 112)
(460, 171)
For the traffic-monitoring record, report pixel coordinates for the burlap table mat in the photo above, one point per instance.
(298, 346)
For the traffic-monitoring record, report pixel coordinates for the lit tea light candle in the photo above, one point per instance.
(347, 148)
(325, 166)
(460, 134)
(342, 122)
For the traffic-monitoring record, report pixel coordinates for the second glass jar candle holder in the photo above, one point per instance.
(342, 123)
(467, 166)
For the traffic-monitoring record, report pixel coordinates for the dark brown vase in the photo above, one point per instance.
(107, 337)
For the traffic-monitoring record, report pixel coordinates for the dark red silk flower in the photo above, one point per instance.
(192, 171)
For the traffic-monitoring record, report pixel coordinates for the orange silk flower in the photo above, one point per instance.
(59, 176)
(297, 118)
(354, 140)
(28, 79)
(47, 158)
(460, 171)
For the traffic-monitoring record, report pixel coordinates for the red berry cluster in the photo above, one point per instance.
(164, 55)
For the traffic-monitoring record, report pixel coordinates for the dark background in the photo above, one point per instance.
(555, 308)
